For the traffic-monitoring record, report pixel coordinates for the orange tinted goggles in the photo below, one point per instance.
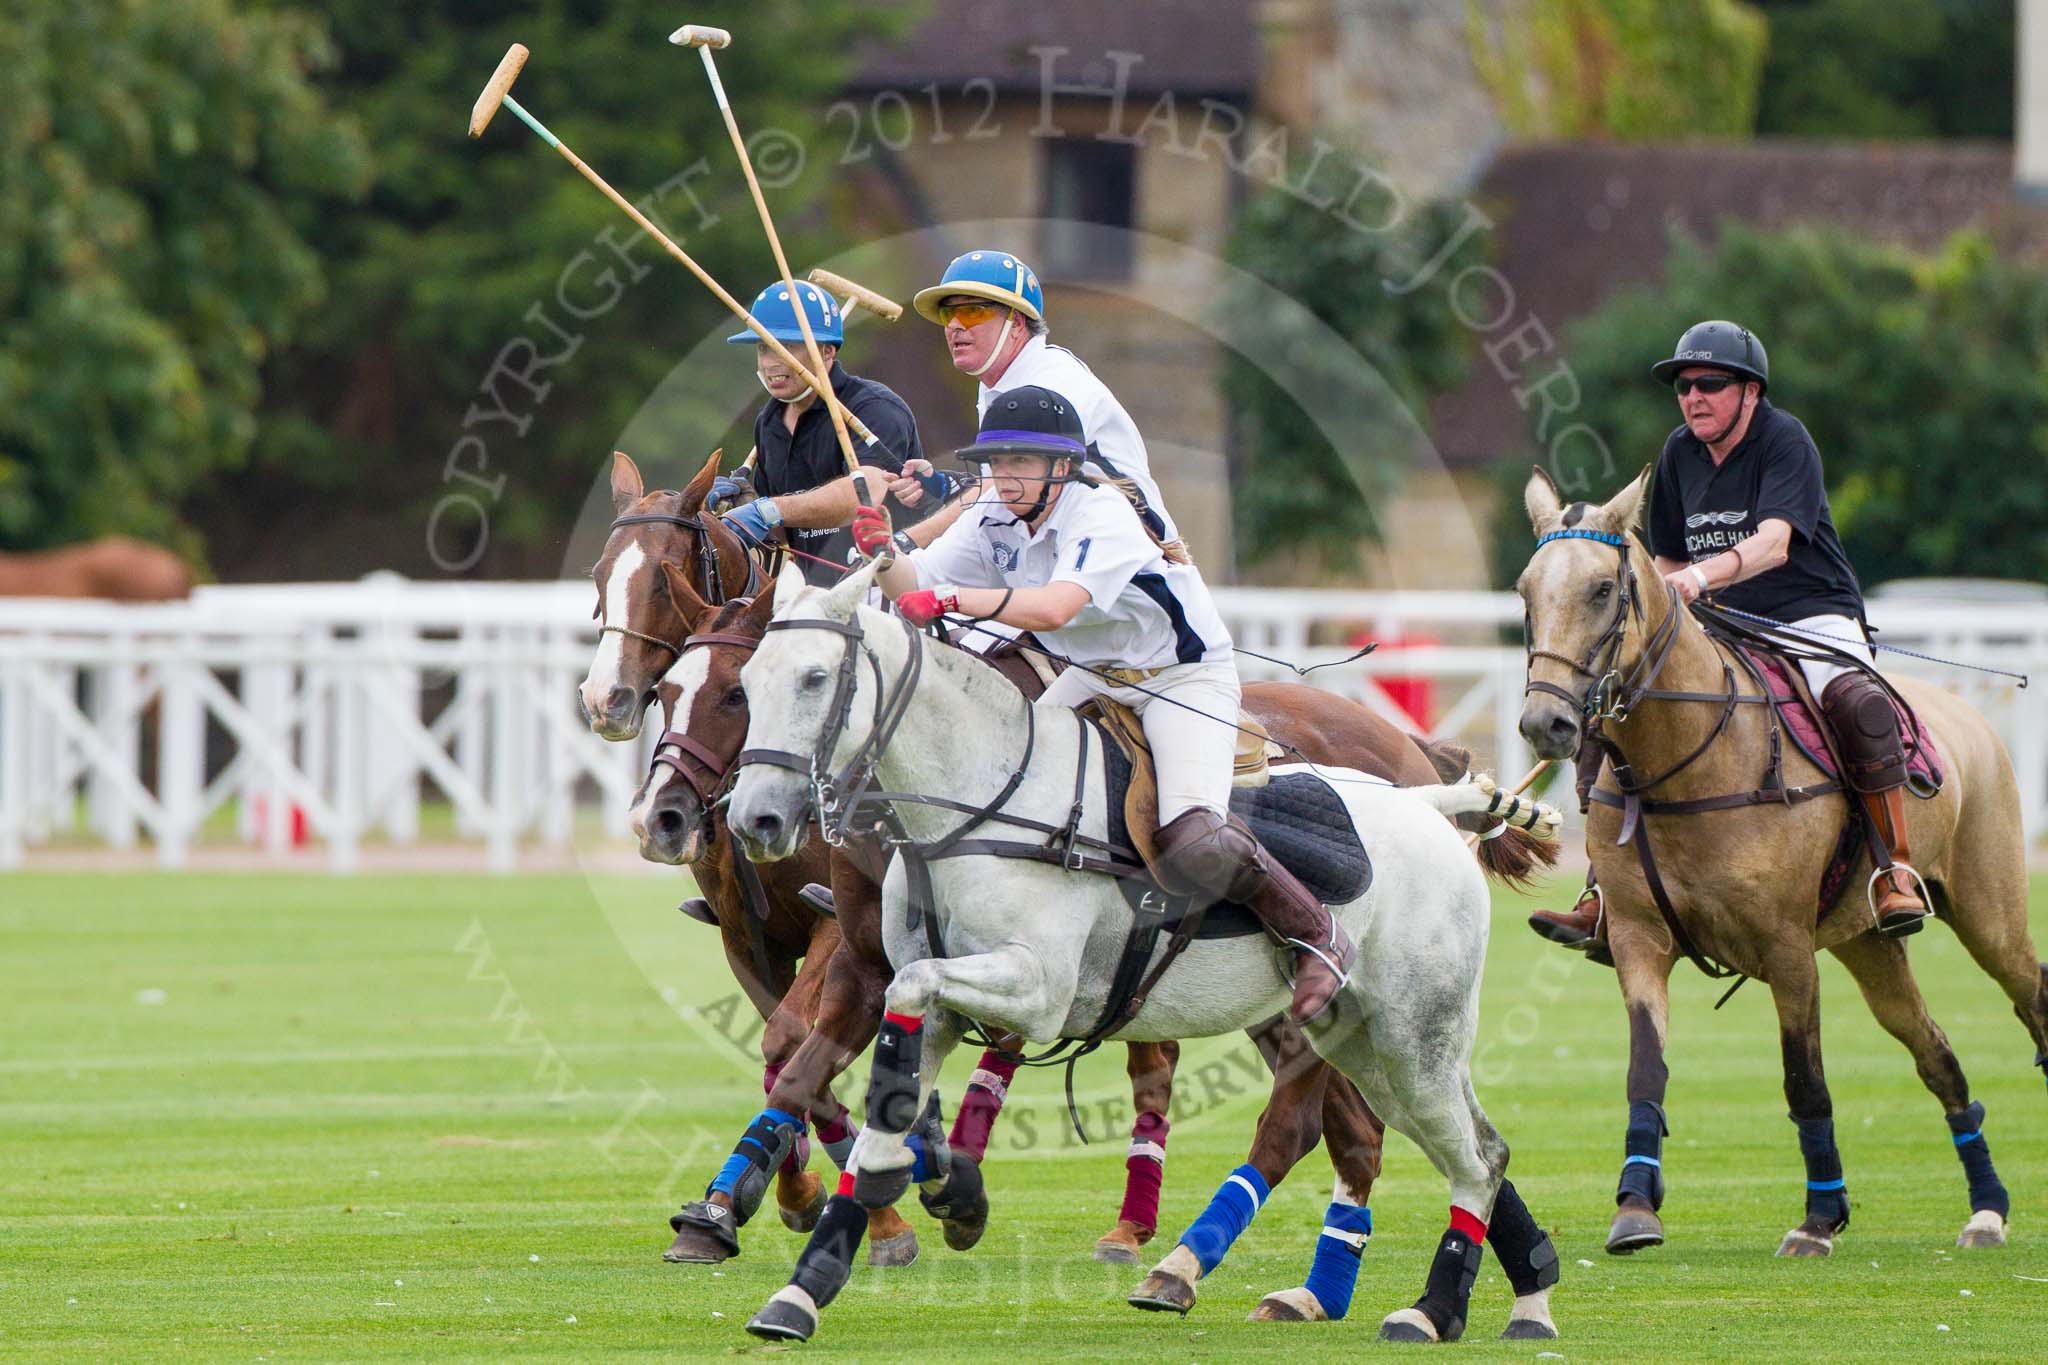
(969, 314)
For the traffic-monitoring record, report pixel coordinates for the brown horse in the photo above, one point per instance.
(113, 567)
(675, 817)
(1613, 655)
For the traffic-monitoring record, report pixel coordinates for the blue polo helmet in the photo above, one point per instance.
(994, 275)
(777, 316)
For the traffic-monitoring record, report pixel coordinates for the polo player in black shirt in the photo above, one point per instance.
(1738, 510)
(797, 468)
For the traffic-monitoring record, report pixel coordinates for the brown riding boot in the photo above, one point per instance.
(1576, 927)
(1203, 853)
(1866, 726)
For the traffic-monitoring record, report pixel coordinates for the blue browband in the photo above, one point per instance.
(1618, 542)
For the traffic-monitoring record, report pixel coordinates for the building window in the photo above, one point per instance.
(1090, 188)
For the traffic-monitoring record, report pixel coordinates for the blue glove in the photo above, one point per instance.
(754, 521)
(728, 488)
(937, 484)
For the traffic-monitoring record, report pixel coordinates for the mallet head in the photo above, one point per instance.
(495, 90)
(850, 293)
(700, 35)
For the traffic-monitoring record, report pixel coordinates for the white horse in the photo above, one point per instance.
(1032, 947)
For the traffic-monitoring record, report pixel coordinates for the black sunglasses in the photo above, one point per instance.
(1705, 383)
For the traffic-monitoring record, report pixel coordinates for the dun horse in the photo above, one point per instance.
(1032, 948)
(1738, 879)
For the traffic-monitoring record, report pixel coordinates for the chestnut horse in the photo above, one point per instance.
(113, 567)
(1612, 651)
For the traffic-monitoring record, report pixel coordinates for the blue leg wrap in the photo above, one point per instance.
(1230, 1210)
(1334, 1274)
(744, 1176)
(921, 1168)
(1827, 1194)
(1642, 1165)
(1966, 1130)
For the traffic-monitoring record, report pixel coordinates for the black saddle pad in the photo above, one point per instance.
(1298, 817)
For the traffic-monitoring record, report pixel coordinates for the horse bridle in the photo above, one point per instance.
(708, 777)
(1608, 695)
(710, 579)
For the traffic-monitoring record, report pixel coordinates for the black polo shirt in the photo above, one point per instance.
(809, 457)
(1698, 511)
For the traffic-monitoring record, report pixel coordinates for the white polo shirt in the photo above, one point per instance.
(1115, 448)
(1143, 610)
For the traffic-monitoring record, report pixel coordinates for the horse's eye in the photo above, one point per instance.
(736, 697)
(814, 678)
(1604, 591)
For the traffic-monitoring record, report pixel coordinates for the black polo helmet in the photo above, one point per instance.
(1725, 346)
(1030, 420)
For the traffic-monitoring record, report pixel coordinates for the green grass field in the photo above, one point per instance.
(265, 1118)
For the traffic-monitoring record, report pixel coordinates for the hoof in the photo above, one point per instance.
(1289, 1305)
(1984, 1231)
(704, 1235)
(1528, 1329)
(1119, 1246)
(1801, 1242)
(1408, 1325)
(789, 1316)
(803, 1217)
(1634, 1230)
(1163, 1292)
(893, 1252)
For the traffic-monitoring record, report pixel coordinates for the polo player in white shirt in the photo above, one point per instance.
(993, 311)
(1048, 549)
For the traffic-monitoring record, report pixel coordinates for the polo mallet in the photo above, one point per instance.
(706, 40)
(498, 92)
(1528, 779)
(852, 296)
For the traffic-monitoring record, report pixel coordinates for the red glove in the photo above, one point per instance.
(871, 529)
(924, 606)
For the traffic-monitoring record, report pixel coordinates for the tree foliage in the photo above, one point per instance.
(161, 162)
(1924, 381)
(1622, 68)
(464, 247)
(1889, 68)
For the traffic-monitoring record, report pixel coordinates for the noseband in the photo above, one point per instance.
(711, 583)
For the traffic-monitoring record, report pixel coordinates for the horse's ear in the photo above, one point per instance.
(850, 591)
(1623, 512)
(626, 485)
(700, 485)
(668, 694)
(788, 584)
(758, 612)
(693, 607)
(1541, 499)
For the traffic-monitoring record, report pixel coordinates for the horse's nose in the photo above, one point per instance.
(766, 829)
(1552, 735)
(618, 700)
(667, 826)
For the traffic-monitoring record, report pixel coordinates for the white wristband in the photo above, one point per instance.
(1701, 579)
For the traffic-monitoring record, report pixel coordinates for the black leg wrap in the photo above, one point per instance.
(960, 1204)
(826, 1263)
(892, 1078)
(1827, 1195)
(1642, 1170)
(1448, 1294)
(1525, 1250)
(1986, 1190)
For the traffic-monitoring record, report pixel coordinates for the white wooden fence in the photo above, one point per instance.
(344, 705)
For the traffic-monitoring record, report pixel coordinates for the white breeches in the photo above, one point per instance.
(1192, 750)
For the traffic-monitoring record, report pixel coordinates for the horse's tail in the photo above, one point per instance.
(1511, 855)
